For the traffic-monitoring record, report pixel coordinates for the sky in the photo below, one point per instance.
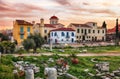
(68, 11)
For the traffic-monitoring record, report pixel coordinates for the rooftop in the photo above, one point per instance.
(22, 22)
(63, 29)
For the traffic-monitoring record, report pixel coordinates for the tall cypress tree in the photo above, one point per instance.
(104, 25)
(117, 35)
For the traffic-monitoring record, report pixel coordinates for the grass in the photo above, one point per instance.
(77, 70)
(98, 49)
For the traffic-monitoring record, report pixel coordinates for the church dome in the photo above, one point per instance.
(53, 17)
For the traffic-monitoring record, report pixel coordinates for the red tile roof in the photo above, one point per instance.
(63, 29)
(48, 25)
(81, 25)
(91, 22)
(54, 17)
(110, 31)
(22, 22)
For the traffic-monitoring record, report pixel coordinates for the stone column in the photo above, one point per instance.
(50, 73)
(29, 74)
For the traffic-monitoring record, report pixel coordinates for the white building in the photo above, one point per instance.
(44, 29)
(62, 35)
(89, 31)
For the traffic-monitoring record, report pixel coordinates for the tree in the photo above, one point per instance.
(29, 44)
(117, 34)
(7, 47)
(4, 37)
(104, 25)
(39, 41)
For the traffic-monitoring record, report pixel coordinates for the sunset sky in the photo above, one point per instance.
(68, 11)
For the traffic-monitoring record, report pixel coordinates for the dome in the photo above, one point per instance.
(54, 17)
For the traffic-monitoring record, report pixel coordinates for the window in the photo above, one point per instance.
(28, 29)
(28, 33)
(21, 32)
(21, 29)
(80, 37)
(77, 36)
(89, 31)
(93, 24)
(21, 36)
(81, 30)
(93, 31)
(62, 34)
(55, 34)
(45, 31)
(67, 36)
(85, 31)
(72, 40)
(78, 30)
(52, 33)
(98, 31)
(72, 34)
(62, 40)
(103, 31)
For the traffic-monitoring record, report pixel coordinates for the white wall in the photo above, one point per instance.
(59, 37)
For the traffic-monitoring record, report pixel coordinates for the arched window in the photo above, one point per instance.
(72, 40)
(52, 33)
(72, 34)
(67, 35)
(62, 34)
(55, 34)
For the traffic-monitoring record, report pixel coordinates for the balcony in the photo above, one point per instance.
(21, 33)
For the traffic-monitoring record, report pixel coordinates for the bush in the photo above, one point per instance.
(21, 51)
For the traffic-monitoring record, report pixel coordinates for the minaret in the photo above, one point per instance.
(42, 27)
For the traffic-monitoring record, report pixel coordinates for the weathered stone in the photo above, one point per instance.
(29, 74)
(70, 76)
(103, 66)
(50, 73)
(50, 60)
(36, 69)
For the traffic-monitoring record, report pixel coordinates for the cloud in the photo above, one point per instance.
(26, 7)
(63, 2)
(91, 11)
(18, 10)
(4, 7)
(85, 3)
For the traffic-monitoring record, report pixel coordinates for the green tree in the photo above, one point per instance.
(4, 37)
(104, 25)
(7, 47)
(117, 34)
(29, 44)
(39, 41)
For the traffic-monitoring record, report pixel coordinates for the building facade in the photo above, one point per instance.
(62, 35)
(89, 32)
(21, 30)
(44, 29)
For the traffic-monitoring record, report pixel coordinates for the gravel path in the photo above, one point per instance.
(83, 54)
